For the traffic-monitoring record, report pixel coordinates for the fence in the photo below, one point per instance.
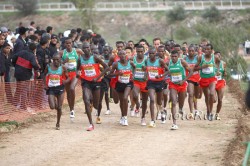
(139, 5)
(20, 100)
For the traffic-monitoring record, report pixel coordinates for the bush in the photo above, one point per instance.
(183, 33)
(212, 14)
(177, 14)
(26, 6)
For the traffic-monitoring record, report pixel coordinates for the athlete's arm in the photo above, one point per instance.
(105, 66)
(197, 66)
(217, 61)
(79, 51)
(78, 68)
(111, 60)
(65, 71)
(163, 65)
(189, 69)
(44, 79)
(112, 71)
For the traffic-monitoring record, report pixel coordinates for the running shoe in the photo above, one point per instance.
(152, 124)
(125, 121)
(210, 117)
(98, 120)
(174, 127)
(217, 117)
(190, 116)
(57, 127)
(72, 114)
(121, 121)
(132, 113)
(158, 116)
(108, 112)
(90, 128)
(163, 118)
(143, 122)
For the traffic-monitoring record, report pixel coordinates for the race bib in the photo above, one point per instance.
(208, 70)
(139, 73)
(72, 64)
(125, 78)
(54, 80)
(177, 77)
(152, 73)
(89, 71)
(195, 72)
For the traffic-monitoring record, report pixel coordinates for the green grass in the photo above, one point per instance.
(10, 123)
(244, 85)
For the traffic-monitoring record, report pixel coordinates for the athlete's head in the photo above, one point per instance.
(218, 54)
(129, 51)
(68, 43)
(209, 49)
(140, 51)
(152, 53)
(119, 45)
(106, 51)
(122, 55)
(157, 42)
(56, 59)
(161, 51)
(86, 48)
(174, 56)
(191, 50)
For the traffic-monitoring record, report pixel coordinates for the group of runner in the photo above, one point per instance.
(135, 73)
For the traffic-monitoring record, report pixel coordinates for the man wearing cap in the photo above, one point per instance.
(4, 32)
(52, 46)
(20, 42)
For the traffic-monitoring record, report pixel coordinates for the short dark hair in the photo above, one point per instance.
(210, 45)
(32, 46)
(119, 42)
(49, 28)
(174, 52)
(130, 48)
(44, 40)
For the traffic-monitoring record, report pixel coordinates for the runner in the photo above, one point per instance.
(54, 85)
(178, 84)
(113, 81)
(139, 65)
(88, 66)
(206, 63)
(123, 71)
(105, 84)
(70, 57)
(155, 83)
(221, 83)
(193, 88)
(165, 56)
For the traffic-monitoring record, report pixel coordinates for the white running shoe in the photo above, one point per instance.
(72, 114)
(121, 121)
(108, 112)
(174, 127)
(132, 113)
(143, 122)
(158, 116)
(125, 121)
(152, 124)
(163, 118)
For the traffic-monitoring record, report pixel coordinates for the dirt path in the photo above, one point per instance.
(197, 142)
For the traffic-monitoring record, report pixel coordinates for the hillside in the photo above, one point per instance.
(128, 25)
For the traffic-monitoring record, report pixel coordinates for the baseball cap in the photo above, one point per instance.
(53, 36)
(3, 29)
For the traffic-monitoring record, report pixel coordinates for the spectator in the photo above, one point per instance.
(4, 32)
(5, 65)
(52, 46)
(20, 42)
(49, 30)
(32, 25)
(24, 61)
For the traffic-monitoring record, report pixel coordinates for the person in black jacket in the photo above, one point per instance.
(52, 46)
(20, 42)
(24, 61)
(5, 63)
